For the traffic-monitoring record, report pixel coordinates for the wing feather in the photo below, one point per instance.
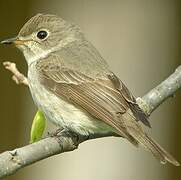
(108, 100)
(95, 96)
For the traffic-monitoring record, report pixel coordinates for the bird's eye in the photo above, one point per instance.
(42, 34)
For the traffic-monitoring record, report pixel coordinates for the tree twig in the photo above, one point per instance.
(159, 94)
(18, 77)
(11, 161)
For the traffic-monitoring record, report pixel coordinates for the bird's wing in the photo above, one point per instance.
(105, 98)
(136, 110)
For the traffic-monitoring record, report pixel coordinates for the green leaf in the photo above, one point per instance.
(38, 127)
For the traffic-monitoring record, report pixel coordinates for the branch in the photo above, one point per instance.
(162, 92)
(12, 161)
(18, 77)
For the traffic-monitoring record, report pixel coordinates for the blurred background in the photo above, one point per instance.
(140, 39)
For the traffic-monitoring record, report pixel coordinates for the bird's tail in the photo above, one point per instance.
(135, 130)
(162, 155)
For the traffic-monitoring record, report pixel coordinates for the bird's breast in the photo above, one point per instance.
(61, 112)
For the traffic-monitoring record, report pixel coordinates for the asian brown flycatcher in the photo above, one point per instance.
(74, 87)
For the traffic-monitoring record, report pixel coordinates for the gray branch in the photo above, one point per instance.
(159, 94)
(12, 161)
(17, 77)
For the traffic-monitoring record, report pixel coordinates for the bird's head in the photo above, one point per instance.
(44, 34)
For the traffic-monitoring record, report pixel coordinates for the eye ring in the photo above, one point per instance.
(42, 34)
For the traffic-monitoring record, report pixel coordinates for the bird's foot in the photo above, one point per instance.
(56, 132)
(63, 132)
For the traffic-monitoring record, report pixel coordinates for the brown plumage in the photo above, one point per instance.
(72, 84)
(106, 98)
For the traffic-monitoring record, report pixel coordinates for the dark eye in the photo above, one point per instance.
(42, 34)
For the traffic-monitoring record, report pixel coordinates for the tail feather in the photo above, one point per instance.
(164, 155)
(151, 145)
(134, 129)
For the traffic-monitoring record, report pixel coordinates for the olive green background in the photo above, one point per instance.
(140, 39)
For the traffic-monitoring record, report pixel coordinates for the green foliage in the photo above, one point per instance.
(38, 127)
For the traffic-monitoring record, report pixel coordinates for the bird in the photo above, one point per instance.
(73, 86)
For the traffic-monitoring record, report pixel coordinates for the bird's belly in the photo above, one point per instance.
(66, 115)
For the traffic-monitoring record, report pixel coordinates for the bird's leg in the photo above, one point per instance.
(18, 77)
(56, 132)
(64, 132)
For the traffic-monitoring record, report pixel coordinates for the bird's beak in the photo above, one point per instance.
(14, 40)
(9, 41)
